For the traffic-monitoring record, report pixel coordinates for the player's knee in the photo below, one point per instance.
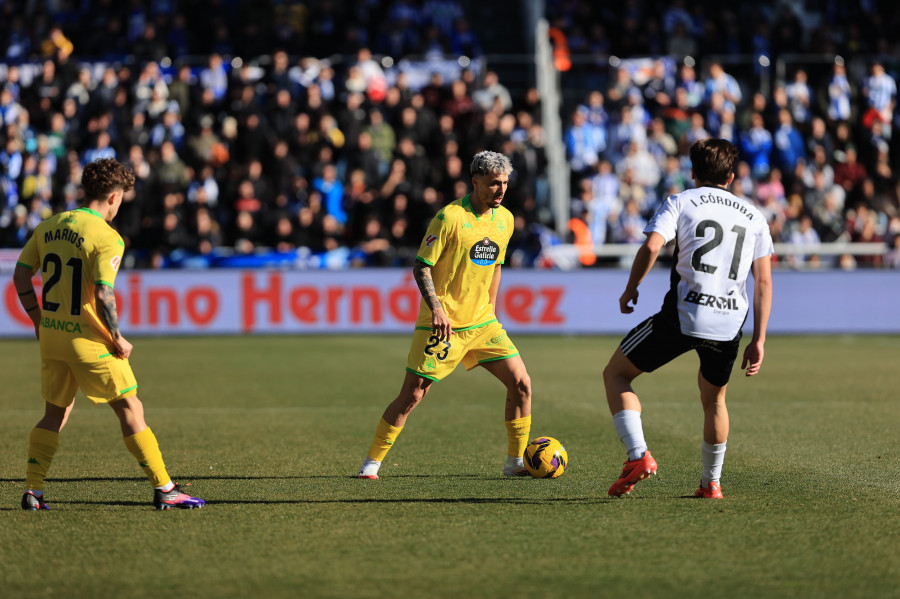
(417, 396)
(409, 405)
(410, 400)
(610, 373)
(521, 388)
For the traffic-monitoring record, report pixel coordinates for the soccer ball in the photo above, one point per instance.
(545, 457)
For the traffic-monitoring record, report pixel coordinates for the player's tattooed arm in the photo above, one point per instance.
(106, 309)
(109, 316)
(422, 274)
(440, 322)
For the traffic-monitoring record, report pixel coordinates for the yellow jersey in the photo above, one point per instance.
(74, 251)
(463, 250)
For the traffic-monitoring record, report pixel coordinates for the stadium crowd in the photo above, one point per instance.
(309, 143)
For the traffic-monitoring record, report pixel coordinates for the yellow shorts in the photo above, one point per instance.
(434, 359)
(102, 381)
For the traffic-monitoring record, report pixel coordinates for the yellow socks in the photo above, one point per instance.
(144, 447)
(42, 446)
(385, 435)
(517, 432)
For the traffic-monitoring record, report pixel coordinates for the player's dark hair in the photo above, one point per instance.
(713, 160)
(104, 176)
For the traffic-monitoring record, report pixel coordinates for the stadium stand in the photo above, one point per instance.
(327, 134)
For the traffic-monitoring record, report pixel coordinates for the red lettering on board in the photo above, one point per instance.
(303, 302)
(134, 299)
(553, 297)
(202, 304)
(403, 302)
(334, 295)
(357, 295)
(517, 302)
(251, 295)
(155, 299)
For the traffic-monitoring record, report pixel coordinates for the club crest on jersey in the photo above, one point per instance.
(429, 241)
(114, 262)
(485, 252)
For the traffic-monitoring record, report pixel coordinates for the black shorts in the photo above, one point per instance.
(658, 340)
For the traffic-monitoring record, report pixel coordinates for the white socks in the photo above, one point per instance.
(712, 456)
(628, 427)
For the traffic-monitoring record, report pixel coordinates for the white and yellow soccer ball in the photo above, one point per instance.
(545, 457)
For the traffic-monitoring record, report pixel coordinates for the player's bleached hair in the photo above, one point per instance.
(102, 177)
(490, 163)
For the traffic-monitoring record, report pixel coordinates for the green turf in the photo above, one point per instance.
(270, 431)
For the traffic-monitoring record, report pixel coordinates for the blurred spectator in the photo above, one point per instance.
(584, 143)
(215, 78)
(493, 95)
(724, 83)
(681, 42)
(788, 146)
(800, 97)
(840, 95)
(100, 149)
(880, 93)
(849, 173)
(56, 43)
(804, 235)
(181, 90)
(464, 41)
(207, 236)
(756, 146)
(332, 191)
(630, 226)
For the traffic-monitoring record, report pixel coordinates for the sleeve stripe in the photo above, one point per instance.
(23, 265)
(110, 285)
(421, 259)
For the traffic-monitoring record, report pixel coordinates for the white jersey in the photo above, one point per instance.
(718, 236)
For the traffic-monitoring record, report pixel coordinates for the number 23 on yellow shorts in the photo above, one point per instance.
(434, 359)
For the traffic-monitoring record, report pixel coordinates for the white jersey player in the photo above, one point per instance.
(719, 236)
(719, 240)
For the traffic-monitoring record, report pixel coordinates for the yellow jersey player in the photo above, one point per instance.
(78, 255)
(458, 273)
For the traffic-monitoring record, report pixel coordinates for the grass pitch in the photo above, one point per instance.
(271, 430)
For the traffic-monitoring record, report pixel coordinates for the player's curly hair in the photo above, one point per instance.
(104, 176)
(490, 162)
(713, 160)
